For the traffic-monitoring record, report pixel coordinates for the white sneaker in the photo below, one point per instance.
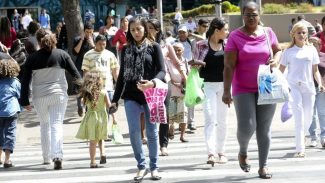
(313, 143)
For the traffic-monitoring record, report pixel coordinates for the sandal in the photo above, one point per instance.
(93, 165)
(183, 140)
(155, 175)
(102, 160)
(164, 151)
(222, 159)
(211, 160)
(243, 163)
(264, 173)
(8, 165)
(300, 155)
(140, 175)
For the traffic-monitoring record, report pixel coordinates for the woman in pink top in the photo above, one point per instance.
(8, 33)
(246, 49)
(119, 40)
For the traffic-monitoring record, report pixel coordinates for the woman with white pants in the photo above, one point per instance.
(211, 51)
(302, 61)
(46, 69)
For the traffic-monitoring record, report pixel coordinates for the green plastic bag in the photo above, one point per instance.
(117, 136)
(194, 94)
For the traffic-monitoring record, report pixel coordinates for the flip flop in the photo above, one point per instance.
(139, 178)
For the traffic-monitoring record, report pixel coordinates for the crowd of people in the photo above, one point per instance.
(122, 63)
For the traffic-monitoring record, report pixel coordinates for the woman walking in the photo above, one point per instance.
(45, 69)
(247, 48)
(211, 51)
(141, 64)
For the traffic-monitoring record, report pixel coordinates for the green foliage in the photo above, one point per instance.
(305, 8)
(226, 6)
(292, 5)
(323, 10)
(271, 8)
(203, 10)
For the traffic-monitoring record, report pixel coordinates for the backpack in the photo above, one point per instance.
(18, 52)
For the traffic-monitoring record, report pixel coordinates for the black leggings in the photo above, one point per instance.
(163, 128)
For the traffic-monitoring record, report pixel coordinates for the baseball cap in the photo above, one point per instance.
(182, 28)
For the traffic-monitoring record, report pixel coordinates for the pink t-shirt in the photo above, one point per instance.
(251, 52)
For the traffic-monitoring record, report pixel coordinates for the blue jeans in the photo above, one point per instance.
(319, 109)
(8, 126)
(133, 111)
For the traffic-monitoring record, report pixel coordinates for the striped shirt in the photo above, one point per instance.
(104, 62)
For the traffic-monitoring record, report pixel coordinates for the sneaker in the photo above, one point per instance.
(57, 163)
(313, 143)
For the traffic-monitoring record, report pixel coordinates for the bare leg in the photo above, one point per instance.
(182, 126)
(7, 158)
(101, 146)
(92, 151)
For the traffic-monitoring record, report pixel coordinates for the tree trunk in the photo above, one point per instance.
(73, 20)
(74, 25)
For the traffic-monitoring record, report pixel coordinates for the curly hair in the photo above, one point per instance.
(46, 39)
(91, 87)
(9, 68)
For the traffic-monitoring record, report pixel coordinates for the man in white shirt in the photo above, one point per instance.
(26, 19)
(190, 24)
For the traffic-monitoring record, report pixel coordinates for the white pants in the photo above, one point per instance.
(51, 110)
(302, 108)
(215, 113)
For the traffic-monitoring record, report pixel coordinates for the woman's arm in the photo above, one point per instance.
(120, 81)
(318, 78)
(107, 101)
(176, 61)
(228, 72)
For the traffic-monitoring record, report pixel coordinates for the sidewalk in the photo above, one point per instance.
(28, 131)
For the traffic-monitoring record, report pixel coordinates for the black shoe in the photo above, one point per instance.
(191, 127)
(57, 163)
(80, 111)
(102, 160)
(243, 163)
(8, 165)
(109, 139)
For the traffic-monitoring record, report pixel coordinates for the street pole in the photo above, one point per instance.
(259, 2)
(160, 13)
(179, 5)
(218, 8)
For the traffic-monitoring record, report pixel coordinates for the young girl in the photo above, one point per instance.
(9, 107)
(94, 123)
(176, 104)
(302, 60)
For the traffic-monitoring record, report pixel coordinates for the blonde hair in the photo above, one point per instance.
(296, 26)
(9, 68)
(91, 87)
(178, 45)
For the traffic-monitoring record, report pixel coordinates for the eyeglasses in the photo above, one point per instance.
(251, 15)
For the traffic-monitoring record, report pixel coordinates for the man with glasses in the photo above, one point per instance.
(201, 30)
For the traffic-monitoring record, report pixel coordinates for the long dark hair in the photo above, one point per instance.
(5, 26)
(157, 25)
(216, 23)
(143, 22)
